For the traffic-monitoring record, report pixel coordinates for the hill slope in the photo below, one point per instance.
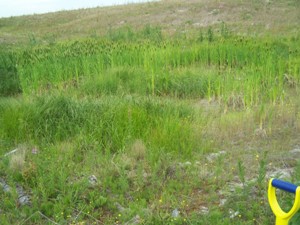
(255, 17)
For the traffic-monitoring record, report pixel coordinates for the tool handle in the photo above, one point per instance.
(283, 185)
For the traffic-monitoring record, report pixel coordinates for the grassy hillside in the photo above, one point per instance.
(174, 17)
(173, 112)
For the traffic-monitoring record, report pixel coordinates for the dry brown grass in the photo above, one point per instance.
(249, 17)
(17, 160)
(138, 150)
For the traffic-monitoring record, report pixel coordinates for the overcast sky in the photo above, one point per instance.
(23, 7)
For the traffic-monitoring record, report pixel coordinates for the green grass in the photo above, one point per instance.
(256, 71)
(133, 121)
(143, 111)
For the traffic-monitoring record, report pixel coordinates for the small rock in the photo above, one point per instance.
(119, 207)
(233, 214)
(280, 173)
(213, 156)
(93, 180)
(175, 213)
(295, 151)
(135, 220)
(23, 198)
(213, 12)
(234, 185)
(204, 210)
(185, 164)
(4, 185)
(222, 201)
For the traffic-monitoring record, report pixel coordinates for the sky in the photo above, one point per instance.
(24, 7)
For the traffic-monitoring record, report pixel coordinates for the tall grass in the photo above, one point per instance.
(257, 71)
(113, 122)
(9, 79)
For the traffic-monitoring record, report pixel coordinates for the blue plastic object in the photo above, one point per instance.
(283, 185)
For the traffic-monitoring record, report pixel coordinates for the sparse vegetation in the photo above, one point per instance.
(136, 126)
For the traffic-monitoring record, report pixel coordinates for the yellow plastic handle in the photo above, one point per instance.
(282, 218)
